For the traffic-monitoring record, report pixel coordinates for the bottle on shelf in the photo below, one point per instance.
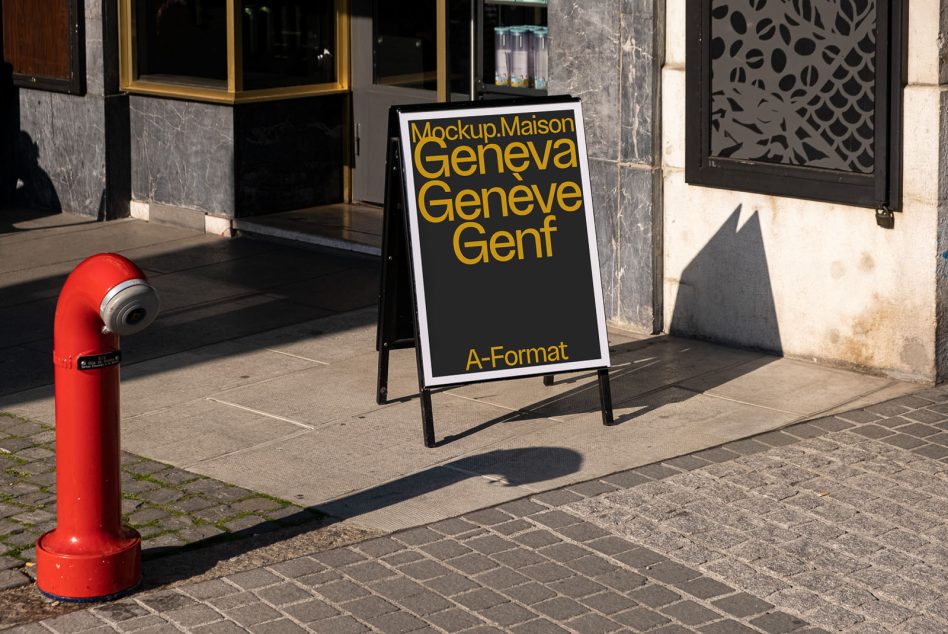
(541, 58)
(502, 56)
(519, 57)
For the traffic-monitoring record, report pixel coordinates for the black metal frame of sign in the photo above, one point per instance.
(399, 324)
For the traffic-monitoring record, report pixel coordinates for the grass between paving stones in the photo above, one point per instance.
(174, 510)
(192, 526)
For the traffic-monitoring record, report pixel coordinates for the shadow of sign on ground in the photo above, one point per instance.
(166, 565)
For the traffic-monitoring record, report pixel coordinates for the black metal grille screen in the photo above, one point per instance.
(793, 82)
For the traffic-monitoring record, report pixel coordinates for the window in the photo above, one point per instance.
(288, 43)
(43, 42)
(798, 99)
(182, 42)
(234, 51)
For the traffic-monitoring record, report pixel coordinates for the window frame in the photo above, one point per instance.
(881, 189)
(235, 92)
(75, 84)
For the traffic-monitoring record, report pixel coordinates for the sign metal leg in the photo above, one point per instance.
(605, 395)
(427, 416)
(381, 395)
(547, 379)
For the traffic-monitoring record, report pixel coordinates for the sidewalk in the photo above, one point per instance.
(834, 525)
(261, 369)
(256, 389)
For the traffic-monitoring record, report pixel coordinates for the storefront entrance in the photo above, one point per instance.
(396, 59)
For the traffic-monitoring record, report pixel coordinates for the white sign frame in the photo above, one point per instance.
(404, 119)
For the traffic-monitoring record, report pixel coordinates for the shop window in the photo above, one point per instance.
(182, 42)
(43, 43)
(234, 51)
(287, 43)
(799, 99)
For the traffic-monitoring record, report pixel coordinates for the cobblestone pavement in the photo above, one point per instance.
(170, 507)
(837, 524)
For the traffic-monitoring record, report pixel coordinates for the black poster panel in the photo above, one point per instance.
(502, 241)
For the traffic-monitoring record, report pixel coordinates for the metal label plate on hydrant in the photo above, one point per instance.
(99, 361)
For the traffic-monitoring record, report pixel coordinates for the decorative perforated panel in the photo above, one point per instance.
(794, 81)
(797, 98)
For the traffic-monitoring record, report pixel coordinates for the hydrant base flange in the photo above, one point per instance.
(108, 597)
(89, 577)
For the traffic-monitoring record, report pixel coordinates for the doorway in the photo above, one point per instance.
(395, 59)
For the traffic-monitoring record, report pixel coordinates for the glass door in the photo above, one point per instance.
(396, 60)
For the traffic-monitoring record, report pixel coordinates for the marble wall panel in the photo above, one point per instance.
(95, 73)
(638, 248)
(585, 62)
(183, 154)
(604, 178)
(609, 53)
(60, 151)
(642, 53)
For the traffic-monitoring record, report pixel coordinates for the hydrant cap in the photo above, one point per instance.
(129, 307)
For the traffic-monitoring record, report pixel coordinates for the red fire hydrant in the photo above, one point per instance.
(90, 555)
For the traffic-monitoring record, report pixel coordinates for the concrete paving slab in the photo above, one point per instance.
(102, 237)
(788, 385)
(893, 389)
(326, 393)
(187, 376)
(329, 339)
(654, 427)
(31, 366)
(35, 403)
(193, 252)
(200, 430)
(25, 323)
(188, 288)
(34, 283)
(338, 291)
(20, 225)
(200, 325)
(358, 453)
(276, 268)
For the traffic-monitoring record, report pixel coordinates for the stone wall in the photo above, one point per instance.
(183, 154)
(941, 275)
(808, 279)
(234, 161)
(609, 54)
(60, 147)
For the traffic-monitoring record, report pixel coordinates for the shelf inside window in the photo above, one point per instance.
(519, 3)
(509, 91)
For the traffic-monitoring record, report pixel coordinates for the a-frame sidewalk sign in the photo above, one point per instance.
(489, 261)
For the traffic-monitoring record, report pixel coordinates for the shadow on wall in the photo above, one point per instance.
(725, 295)
(23, 182)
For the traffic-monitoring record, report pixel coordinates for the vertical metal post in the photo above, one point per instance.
(605, 396)
(472, 66)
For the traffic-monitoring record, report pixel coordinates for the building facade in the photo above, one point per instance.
(769, 176)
